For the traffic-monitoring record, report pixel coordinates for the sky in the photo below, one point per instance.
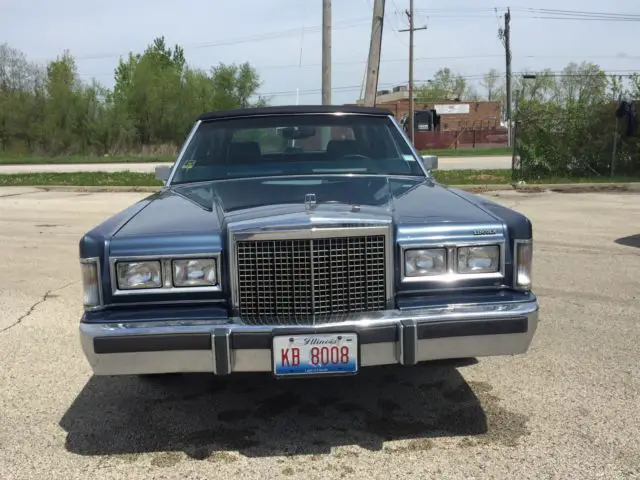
(282, 38)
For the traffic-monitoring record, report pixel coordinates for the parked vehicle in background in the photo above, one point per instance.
(301, 241)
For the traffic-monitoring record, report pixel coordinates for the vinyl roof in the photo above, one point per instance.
(294, 109)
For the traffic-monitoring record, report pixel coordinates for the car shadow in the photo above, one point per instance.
(630, 241)
(259, 416)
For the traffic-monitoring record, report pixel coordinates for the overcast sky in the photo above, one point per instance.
(462, 37)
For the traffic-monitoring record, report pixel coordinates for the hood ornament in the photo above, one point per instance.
(309, 201)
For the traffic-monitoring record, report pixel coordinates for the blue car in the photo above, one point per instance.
(301, 241)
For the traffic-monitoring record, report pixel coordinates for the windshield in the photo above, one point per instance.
(281, 145)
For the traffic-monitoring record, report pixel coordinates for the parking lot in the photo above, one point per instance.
(567, 409)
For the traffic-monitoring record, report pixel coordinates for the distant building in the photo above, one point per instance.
(454, 114)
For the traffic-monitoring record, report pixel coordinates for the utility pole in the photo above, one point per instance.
(615, 139)
(373, 63)
(514, 153)
(411, 29)
(506, 38)
(326, 52)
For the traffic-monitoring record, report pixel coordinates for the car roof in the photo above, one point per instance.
(294, 109)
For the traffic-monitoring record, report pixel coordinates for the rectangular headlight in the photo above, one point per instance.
(139, 275)
(90, 284)
(523, 265)
(480, 259)
(425, 262)
(195, 272)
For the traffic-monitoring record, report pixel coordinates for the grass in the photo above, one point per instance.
(132, 179)
(470, 152)
(80, 179)
(78, 159)
(503, 177)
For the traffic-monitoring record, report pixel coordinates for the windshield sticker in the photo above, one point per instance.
(408, 158)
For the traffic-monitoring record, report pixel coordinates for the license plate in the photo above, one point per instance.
(315, 354)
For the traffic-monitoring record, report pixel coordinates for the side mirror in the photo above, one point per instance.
(430, 162)
(163, 172)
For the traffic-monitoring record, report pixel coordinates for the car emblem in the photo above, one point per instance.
(484, 232)
(309, 201)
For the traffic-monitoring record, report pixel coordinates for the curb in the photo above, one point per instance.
(113, 189)
(554, 187)
(531, 188)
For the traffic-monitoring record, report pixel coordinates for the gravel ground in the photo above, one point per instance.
(567, 409)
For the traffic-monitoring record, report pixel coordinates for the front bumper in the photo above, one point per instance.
(225, 346)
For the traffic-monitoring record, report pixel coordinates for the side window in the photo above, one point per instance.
(205, 148)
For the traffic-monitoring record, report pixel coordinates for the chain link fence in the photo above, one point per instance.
(573, 141)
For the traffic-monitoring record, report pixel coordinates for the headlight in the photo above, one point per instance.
(90, 284)
(195, 272)
(139, 275)
(425, 262)
(480, 259)
(524, 260)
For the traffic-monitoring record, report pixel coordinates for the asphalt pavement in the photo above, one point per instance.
(568, 409)
(444, 163)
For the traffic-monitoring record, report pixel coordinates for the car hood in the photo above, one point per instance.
(209, 208)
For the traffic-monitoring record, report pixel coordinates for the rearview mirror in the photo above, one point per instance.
(293, 133)
(163, 172)
(430, 162)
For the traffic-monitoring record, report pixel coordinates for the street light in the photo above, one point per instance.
(527, 76)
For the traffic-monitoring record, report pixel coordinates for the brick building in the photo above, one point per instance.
(454, 115)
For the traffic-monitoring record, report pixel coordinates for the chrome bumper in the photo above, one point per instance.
(392, 337)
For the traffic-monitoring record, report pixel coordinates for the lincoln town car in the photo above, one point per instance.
(303, 241)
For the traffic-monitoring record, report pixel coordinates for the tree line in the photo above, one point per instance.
(576, 81)
(566, 121)
(156, 96)
(579, 122)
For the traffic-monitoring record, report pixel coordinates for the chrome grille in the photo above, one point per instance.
(307, 280)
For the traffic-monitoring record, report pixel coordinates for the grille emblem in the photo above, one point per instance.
(309, 201)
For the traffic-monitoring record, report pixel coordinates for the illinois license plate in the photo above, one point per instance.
(315, 354)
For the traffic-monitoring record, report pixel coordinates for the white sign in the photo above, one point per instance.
(452, 109)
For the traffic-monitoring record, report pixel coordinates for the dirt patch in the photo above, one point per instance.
(531, 189)
(166, 459)
(223, 457)
(591, 188)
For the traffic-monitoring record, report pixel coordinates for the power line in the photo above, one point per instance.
(293, 32)
(477, 76)
(585, 57)
(581, 14)
(544, 14)
(533, 13)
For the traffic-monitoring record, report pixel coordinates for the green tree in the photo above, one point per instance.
(493, 84)
(154, 102)
(445, 85)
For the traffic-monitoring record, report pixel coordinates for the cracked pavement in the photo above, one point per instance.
(44, 298)
(567, 409)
